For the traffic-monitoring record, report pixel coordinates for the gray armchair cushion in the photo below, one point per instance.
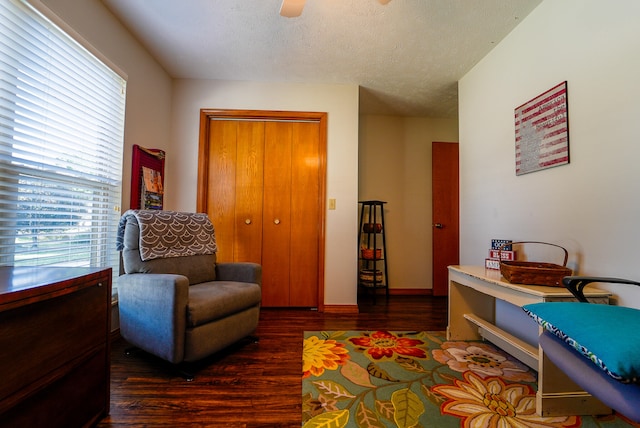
(214, 300)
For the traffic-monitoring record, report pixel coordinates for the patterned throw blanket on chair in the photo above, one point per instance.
(170, 233)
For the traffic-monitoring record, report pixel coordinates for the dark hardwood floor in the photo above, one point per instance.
(251, 384)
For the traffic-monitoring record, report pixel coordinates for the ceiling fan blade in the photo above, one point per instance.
(291, 8)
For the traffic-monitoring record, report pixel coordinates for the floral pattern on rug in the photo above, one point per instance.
(418, 379)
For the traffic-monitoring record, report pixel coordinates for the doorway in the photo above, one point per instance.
(445, 214)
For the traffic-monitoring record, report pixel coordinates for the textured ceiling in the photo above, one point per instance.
(406, 56)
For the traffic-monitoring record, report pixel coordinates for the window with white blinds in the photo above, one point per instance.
(61, 144)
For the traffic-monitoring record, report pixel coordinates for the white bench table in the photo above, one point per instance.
(473, 291)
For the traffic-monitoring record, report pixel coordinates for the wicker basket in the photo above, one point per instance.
(534, 273)
(367, 253)
(371, 276)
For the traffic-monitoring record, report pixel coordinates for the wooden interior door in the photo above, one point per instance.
(446, 217)
(249, 183)
(291, 217)
(276, 251)
(235, 182)
(306, 218)
(261, 179)
(221, 184)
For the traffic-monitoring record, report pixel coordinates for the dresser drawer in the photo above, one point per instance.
(73, 400)
(44, 341)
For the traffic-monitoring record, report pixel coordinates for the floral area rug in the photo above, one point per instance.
(418, 379)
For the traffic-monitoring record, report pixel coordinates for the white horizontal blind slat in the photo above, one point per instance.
(61, 142)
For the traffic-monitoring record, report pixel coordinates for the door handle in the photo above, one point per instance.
(438, 226)
(276, 221)
(247, 221)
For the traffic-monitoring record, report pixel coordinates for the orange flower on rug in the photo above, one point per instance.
(320, 354)
(381, 345)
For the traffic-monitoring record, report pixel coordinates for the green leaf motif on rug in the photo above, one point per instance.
(375, 371)
(336, 419)
(366, 417)
(410, 364)
(408, 408)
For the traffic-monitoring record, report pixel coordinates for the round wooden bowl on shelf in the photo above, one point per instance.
(368, 253)
(372, 228)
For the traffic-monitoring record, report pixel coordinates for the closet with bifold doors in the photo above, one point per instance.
(261, 180)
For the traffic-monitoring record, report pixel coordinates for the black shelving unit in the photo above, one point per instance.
(372, 248)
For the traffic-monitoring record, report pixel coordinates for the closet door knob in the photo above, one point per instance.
(276, 221)
(247, 221)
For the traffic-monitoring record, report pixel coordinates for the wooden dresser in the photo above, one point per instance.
(54, 346)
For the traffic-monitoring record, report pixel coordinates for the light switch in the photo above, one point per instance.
(332, 204)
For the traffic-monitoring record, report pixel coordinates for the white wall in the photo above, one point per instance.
(591, 206)
(148, 109)
(395, 166)
(341, 104)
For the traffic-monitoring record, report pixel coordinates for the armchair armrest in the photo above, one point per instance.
(152, 312)
(576, 284)
(239, 272)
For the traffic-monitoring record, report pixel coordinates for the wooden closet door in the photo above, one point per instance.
(221, 184)
(292, 221)
(261, 179)
(306, 221)
(235, 188)
(249, 191)
(276, 248)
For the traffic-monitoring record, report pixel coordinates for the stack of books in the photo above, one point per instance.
(151, 195)
(507, 253)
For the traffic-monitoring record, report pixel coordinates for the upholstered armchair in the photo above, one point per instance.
(175, 301)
